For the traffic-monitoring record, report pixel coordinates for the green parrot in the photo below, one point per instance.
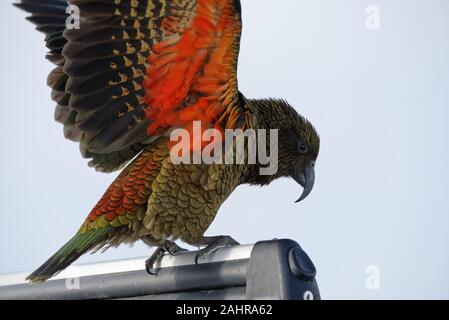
(128, 74)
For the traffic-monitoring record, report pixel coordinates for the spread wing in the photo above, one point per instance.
(137, 68)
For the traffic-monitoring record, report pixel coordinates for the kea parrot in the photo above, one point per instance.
(130, 72)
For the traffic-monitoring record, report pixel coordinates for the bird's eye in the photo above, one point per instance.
(303, 148)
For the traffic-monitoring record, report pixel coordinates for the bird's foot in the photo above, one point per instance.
(213, 244)
(157, 256)
(173, 249)
(167, 246)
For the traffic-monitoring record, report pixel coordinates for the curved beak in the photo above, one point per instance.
(306, 179)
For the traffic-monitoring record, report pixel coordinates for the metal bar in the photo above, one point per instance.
(184, 259)
(208, 276)
(278, 269)
(237, 293)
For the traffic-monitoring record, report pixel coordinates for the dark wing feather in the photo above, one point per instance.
(50, 17)
(137, 68)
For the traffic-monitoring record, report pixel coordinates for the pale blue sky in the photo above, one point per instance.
(379, 99)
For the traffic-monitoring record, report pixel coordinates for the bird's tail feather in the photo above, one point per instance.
(71, 251)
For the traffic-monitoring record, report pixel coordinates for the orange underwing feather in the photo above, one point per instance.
(139, 68)
(192, 76)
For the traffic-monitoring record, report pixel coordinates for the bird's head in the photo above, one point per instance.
(298, 145)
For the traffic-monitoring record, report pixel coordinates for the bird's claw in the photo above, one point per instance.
(201, 254)
(214, 245)
(155, 257)
(168, 246)
(173, 249)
